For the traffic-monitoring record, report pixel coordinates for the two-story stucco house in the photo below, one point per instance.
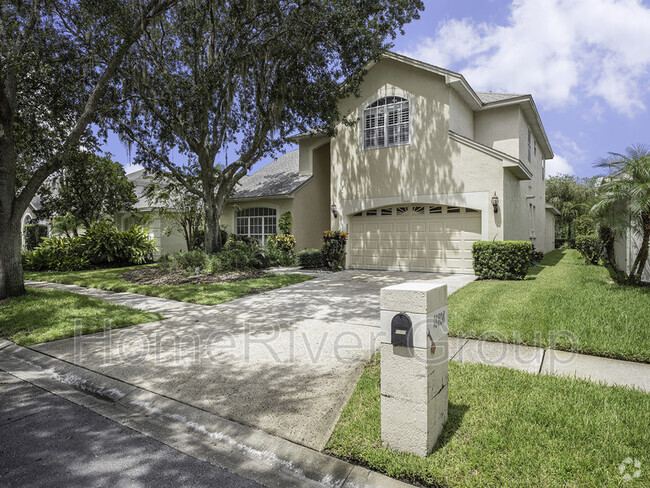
(430, 168)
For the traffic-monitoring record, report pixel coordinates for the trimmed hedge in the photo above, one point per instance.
(310, 258)
(590, 247)
(502, 260)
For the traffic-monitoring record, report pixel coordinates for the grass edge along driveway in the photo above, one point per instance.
(205, 294)
(562, 304)
(507, 428)
(49, 315)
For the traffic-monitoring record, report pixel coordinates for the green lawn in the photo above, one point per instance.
(210, 294)
(508, 428)
(48, 315)
(563, 304)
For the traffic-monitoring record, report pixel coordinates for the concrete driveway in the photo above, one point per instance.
(284, 361)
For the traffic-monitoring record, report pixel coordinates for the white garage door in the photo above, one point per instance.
(414, 238)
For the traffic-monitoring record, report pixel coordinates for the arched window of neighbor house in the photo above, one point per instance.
(386, 123)
(258, 222)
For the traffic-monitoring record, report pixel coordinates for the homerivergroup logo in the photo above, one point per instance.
(630, 469)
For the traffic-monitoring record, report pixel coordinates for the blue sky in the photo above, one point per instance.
(586, 63)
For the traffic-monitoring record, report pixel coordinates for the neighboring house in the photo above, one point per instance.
(417, 180)
(627, 249)
(29, 217)
(149, 216)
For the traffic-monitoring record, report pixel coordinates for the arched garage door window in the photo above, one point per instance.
(258, 222)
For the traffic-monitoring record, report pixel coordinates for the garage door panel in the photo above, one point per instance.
(413, 241)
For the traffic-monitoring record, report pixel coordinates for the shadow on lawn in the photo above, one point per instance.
(456, 414)
(549, 260)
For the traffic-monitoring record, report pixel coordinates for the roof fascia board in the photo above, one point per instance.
(453, 79)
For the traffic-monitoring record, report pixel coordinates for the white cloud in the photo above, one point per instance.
(558, 50)
(558, 166)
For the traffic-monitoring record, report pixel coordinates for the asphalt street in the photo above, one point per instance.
(47, 441)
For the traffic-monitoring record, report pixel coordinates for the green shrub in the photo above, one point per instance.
(186, 261)
(334, 249)
(537, 256)
(235, 241)
(590, 247)
(56, 254)
(310, 259)
(280, 250)
(284, 223)
(236, 259)
(33, 234)
(507, 260)
(282, 242)
(103, 243)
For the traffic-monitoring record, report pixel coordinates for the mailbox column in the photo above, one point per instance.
(414, 366)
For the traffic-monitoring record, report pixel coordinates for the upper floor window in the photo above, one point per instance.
(257, 222)
(529, 144)
(386, 123)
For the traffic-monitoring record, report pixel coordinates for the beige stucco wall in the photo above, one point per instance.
(515, 209)
(535, 187)
(506, 130)
(549, 237)
(311, 208)
(499, 128)
(461, 116)
(281, 205)
(431, 169)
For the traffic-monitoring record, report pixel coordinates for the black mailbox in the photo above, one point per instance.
(401, 330)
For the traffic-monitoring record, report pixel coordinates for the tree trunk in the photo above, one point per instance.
(607, 236)
(212, 238)
(11, 266)
(642, 257)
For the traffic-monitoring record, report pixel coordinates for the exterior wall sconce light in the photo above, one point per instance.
(495, 202)
(335, 212)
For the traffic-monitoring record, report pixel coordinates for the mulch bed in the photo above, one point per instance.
(155, 275)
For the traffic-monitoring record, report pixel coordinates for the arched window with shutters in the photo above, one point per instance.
(386, 123)
(258, 222)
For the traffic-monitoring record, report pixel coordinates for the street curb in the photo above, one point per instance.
(243, 450)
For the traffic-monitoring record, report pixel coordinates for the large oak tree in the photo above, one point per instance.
(224, 83)
(57, 62)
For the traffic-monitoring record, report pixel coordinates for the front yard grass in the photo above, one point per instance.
(563, 304)
(49, 315)
(508, 428)
(204, 294)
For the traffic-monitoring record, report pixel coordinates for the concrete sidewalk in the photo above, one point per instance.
(537, 360)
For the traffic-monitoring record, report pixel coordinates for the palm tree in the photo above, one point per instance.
(625, 192)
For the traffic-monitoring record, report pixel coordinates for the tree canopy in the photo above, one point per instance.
(88, 188)
(58, 60)
(573, 197)
(225, 83)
